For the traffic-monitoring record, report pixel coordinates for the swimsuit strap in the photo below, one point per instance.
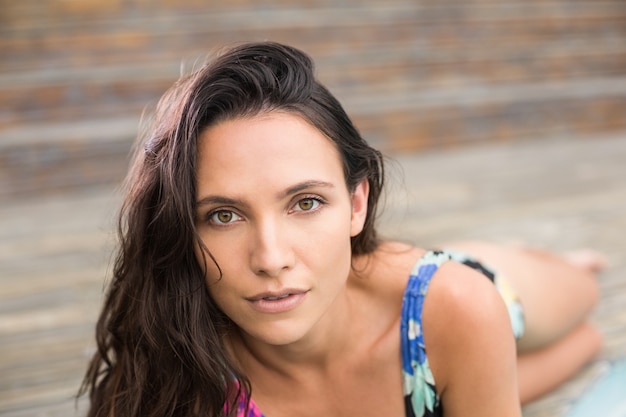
(420, 395)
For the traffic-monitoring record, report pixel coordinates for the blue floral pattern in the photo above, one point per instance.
(420, 393)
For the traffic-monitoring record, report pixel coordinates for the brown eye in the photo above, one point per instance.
(307, 204)
(223, 217)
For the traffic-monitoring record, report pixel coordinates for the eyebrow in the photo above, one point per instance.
(214, 199)
(294, 189)
(305, 185)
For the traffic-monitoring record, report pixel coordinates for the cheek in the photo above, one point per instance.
(207, 264)
(216, 282)
(329, 245)
(219, 296)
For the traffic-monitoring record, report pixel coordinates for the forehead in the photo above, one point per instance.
(271, 146)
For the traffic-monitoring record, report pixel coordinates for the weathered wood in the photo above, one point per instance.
(76, 75)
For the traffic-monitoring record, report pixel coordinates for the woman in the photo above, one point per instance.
(250, 279)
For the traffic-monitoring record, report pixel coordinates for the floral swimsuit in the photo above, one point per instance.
(420, 394)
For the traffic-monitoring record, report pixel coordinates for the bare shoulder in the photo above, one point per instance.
(463, 289)
(470, 343)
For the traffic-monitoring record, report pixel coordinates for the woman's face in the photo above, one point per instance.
(274, 211)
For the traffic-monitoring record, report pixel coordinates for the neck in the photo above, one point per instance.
(324, 345)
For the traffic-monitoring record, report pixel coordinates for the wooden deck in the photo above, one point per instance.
(55, 249)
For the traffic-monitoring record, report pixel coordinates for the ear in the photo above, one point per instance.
(359, 207)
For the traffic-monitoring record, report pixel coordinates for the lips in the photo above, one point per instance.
(275, 295)
(272, 298)
(277, 302)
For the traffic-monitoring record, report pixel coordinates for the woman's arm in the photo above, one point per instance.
(470, 345)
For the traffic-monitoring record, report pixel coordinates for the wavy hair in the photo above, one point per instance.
(160, 335)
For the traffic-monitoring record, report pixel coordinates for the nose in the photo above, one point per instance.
(270, 252)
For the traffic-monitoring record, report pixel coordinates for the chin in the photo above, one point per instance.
(279, 333)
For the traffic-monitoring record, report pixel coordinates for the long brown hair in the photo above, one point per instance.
(159, 335)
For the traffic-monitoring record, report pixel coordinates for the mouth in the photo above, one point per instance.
(275, 298)
(276, 295)
(278, 302)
